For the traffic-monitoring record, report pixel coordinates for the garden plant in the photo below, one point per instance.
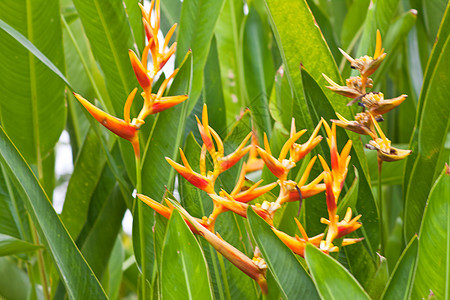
(227, 149)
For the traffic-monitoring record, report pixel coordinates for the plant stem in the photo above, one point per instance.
(141, 226)
(41, 265)
(381, 206)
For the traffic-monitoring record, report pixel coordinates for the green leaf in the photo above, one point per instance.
(353, 21)
(115, 272)
(197, 21)
(379, 279)
(110, 37)
(76, 274)
(10, 245)
(400, 283)
(432, 127)
(332, 280)
(433, 260)
(86, 174)
(433, 12)
(292, 279)
(396, 33)
(14, 282)
(213, 91)
(32, 106)
(258, 71)
(184, 274)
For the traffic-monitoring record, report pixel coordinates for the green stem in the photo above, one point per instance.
(380, 202)
(141, 226)
(41, 265)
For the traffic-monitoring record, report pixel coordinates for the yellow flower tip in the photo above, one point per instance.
(117, 126)
(378, 50)
(352, 241)
(158, 207)
(127, 107)
(348, 57)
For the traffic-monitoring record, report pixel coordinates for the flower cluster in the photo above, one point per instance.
(331, 180)
(153, 103)
(373, 103)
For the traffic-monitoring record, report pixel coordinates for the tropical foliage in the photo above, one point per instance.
(225, 130)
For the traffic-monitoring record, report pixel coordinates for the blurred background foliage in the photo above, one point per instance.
(264, 56)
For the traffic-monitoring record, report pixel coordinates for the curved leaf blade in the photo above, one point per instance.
(433, 260)
(292, 279)
(76, 274)
(427, 143)
(332, 280)
(400, 283)
(184, 274)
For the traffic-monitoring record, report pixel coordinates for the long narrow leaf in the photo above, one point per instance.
(76, 274)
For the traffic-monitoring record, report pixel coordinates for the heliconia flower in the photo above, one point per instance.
(236, 257)
(253, 162)
(151, 31)
(166, 211)
(297, 244)
(351, 241)
(124, 128)
(339, 162)
(298, 151)
(377, 105)
(347, 225)
(156, 103)
(361, 125)
(353, 88)
(250, 193)
(367, 65)
(205, 134)
(385, 151)
(279, 167)
(200, 181)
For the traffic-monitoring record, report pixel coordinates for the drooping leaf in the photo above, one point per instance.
(433, 262)
(184, 273)
(32, 106)
(292, 279)
(76, 274)
(11, 246)
(332, 280)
